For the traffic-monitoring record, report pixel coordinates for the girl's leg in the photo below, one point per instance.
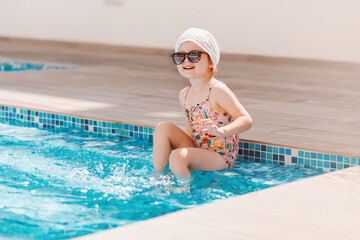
(184, 159)
(168, 136)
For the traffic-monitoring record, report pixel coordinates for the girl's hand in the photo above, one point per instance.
(212, 128)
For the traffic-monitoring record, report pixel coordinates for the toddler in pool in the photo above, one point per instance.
(214, 115)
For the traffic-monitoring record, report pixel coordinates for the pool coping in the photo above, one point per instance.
(320, 207)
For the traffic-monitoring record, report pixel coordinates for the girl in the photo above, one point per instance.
(214, 116)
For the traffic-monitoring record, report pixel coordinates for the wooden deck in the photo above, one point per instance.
(305, 104)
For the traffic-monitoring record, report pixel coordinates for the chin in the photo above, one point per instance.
(188, 75)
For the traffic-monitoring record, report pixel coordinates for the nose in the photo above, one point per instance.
(186, 60)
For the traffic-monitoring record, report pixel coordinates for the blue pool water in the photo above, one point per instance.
(59, 185)
(12, 66)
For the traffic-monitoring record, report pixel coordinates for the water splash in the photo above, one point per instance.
(65, 184)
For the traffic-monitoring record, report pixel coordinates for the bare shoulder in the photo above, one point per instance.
(225, 100)
(221, 90)
(182, 94)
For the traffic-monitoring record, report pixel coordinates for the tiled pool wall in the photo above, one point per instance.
(12, 66)
(41, 119)
(253, 151)
(279, 155)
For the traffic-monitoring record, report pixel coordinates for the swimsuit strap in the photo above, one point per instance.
(187, 91)
(208, 97)
(188, 88)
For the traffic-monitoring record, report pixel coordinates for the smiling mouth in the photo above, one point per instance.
(188, 68)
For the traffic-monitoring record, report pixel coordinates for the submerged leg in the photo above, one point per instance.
(182, 160)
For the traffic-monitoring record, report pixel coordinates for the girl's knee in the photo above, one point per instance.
(163, 127)
(178, 158)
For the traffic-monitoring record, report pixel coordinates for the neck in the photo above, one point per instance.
(198, 83)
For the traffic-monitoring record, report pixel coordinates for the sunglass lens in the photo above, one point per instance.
(178, 58)
(194, 56)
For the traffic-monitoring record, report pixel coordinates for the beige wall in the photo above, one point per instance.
(311, 29)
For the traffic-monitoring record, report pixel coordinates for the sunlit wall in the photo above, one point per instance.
(311, 29)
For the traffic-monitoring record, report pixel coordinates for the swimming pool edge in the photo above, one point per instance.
(256, 151)
(320, 207)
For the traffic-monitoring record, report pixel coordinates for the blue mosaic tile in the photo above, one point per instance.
(16, 66)
(332, 165)
(275, 149)
(326, 164)
(52, 120)
(281, 150)
(340, 166)
(252, 146)
(288, 151)
(313, 163)
(252, 153)
(249, 150)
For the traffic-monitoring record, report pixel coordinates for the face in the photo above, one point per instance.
(201, 69)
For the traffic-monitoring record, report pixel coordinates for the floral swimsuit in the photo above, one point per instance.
(227, 147)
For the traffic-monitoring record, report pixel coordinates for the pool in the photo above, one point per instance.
(59, 183)
(12, 66)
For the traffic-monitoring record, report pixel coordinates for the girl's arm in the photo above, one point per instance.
(226, 101)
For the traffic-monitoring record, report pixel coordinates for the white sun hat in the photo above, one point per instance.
(202, 38)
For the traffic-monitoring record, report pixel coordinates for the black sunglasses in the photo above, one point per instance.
(193, 56)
